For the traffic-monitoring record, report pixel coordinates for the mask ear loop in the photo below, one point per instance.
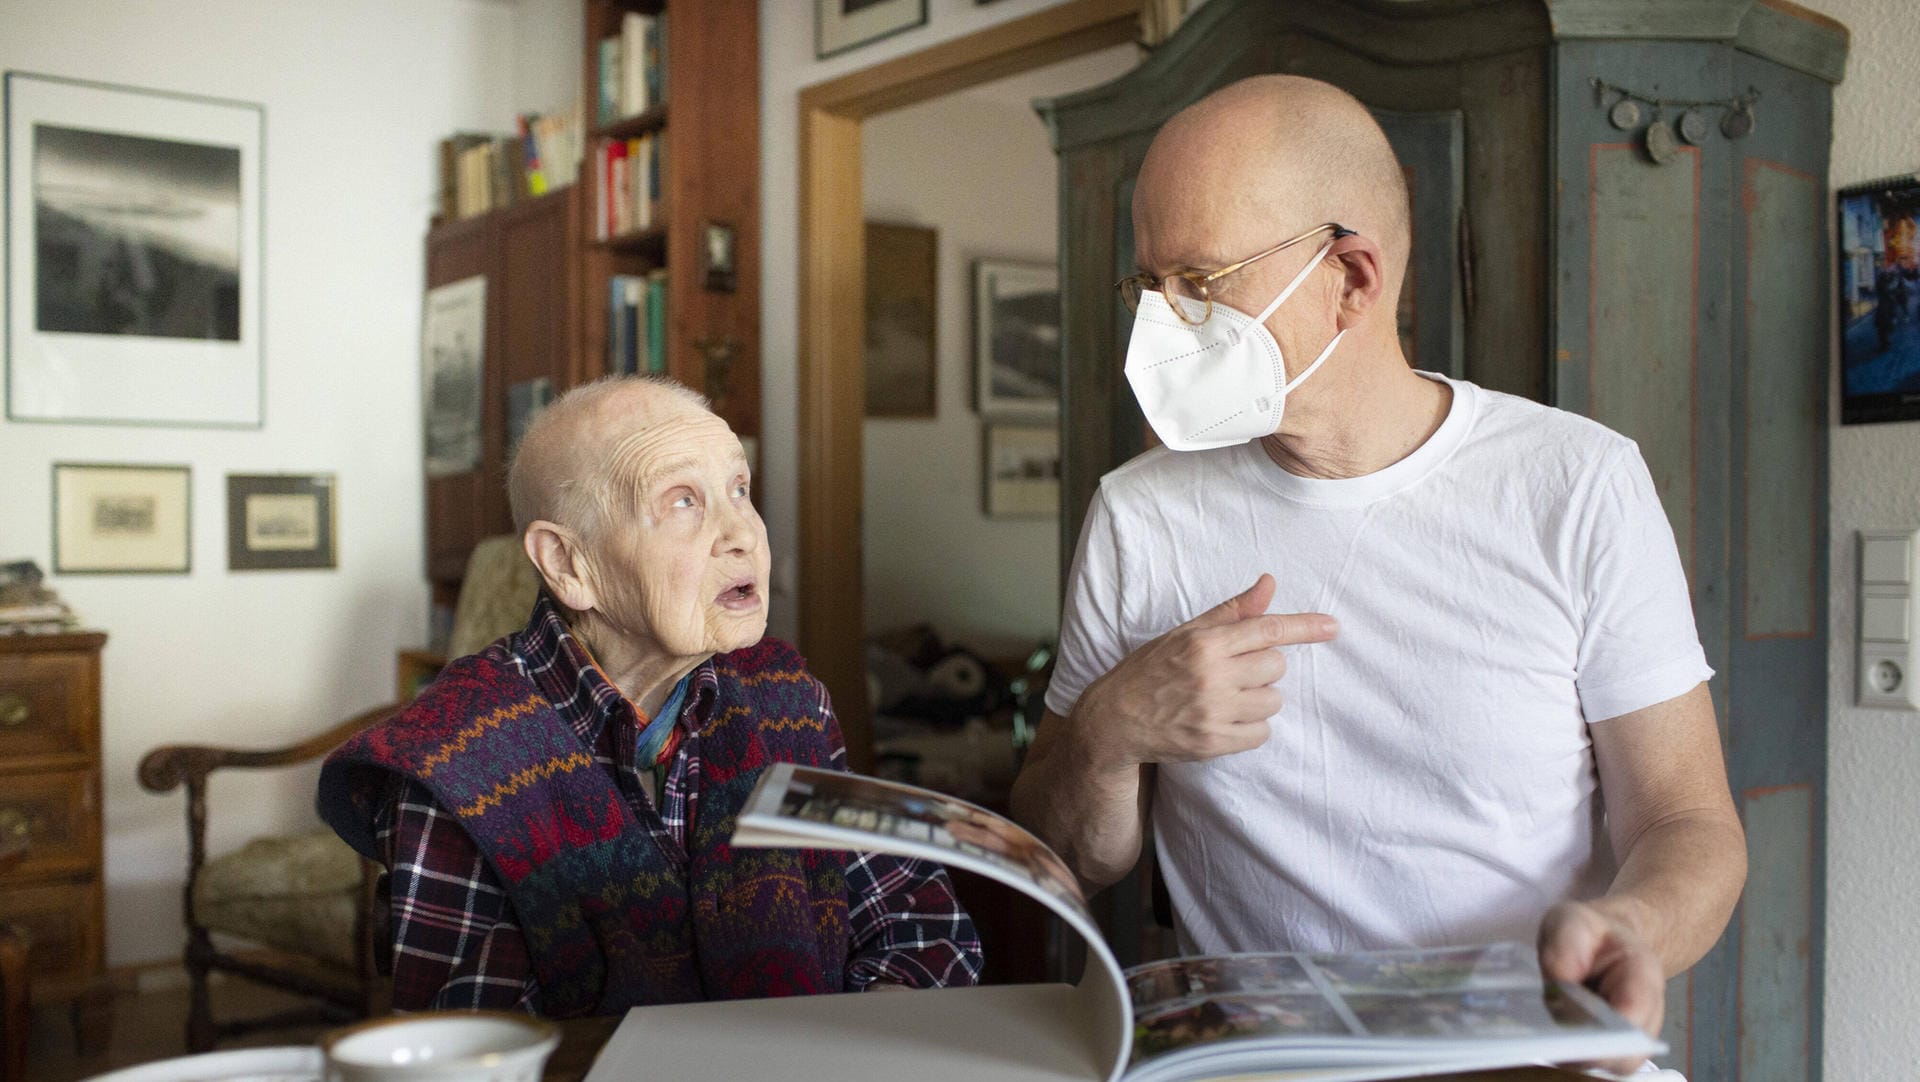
(1317, 362)
(1287, 292)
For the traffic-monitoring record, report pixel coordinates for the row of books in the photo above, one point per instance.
(628, 184)
(480, 172)
(633, 68)
(637, 323)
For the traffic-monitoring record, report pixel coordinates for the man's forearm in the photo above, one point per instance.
(1678, 884)
(1089, 810)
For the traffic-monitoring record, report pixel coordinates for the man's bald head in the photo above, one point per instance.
(1264, 159)
(565, 466)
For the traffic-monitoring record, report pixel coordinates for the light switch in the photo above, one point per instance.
(1883, 619)
(1885, 558)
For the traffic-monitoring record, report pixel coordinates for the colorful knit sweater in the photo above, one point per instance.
(612, 919)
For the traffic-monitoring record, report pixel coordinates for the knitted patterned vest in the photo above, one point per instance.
(611, 919)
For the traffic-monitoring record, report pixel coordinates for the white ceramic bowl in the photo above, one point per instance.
(441, 1046)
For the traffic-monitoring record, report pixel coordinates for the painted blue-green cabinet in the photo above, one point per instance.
(1682, 301)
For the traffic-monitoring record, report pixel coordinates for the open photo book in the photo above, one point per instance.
(1324, 1017)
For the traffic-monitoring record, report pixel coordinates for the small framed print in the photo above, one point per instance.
(839, 25)
(1022, 471)
(280, 522)
(111, 519)
(716, 257)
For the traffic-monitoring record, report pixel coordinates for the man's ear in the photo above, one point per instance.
(1364, 266)
(557, 554)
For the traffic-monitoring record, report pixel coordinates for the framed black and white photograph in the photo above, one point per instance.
(1016, 340)
(133, 224)
(115, 519)
(839, 25)
(903, 319)
(1022, 470)
(1880, 301)
(452, 341)
(280, 522)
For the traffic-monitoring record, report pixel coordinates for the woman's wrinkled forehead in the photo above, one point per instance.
(672, 441)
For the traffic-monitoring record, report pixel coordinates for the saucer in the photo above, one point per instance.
(291, 1063)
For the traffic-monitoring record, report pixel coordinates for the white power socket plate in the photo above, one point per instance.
(1889, 660)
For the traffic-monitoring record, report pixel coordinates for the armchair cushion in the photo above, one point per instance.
(299, 894)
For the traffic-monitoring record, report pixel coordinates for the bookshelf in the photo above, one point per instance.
(710, 175)
(550, 270)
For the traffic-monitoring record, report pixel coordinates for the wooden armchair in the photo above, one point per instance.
(308, 904)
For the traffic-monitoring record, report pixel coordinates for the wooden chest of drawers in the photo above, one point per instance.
(50, 796)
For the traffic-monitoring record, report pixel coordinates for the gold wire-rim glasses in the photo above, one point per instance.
(1199, 283)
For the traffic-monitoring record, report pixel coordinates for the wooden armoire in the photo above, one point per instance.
(1682, 301)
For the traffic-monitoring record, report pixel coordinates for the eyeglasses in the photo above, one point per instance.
(1191, 291)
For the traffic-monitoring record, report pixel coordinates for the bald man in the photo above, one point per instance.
(554, 810)
(1384, 659)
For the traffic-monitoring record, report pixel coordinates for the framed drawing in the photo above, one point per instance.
(839, 25)
(133, 224)
(1880, 301)
(902, 317)
(453, 335)
(278, 522)
(121, 519)
(1022, 471)
(1016, 340)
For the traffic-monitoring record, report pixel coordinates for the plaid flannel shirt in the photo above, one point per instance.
(455, 940)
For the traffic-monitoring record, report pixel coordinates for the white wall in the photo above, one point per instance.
(787, 65)
(1873, 773)
(978, 167)
(356, 93)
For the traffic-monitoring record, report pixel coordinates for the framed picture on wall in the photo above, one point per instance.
(453, 336)
(280, 522)
(902, 319)
(1016, 339)
(133, 282)
(1880, 301)
(839, 25)
(1022, 470)
(113, 519)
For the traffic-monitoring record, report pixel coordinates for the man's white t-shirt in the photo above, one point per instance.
(1430, 779)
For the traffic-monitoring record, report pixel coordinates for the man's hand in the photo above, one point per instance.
(1581, 943)
(1200, 691)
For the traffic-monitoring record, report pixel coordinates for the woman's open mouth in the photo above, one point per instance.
(741, 596)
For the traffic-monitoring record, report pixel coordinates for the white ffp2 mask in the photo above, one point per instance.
(1218, 384)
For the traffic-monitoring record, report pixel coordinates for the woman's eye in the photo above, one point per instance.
(739, 492)
(684, 502)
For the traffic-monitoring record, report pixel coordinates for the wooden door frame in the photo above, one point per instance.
(832, 339)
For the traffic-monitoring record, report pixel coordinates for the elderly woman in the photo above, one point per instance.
(554, 810)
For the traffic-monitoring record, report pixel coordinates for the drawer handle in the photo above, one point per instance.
(14, 823)
(15, 711)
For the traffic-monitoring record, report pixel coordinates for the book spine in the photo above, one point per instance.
(659, 59)
(609, 105)
(657, 321)
(633, 60)
(634, 304)
(530, 151)
(656, 177)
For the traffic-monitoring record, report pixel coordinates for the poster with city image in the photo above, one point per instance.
(1880, 301)
(133, 255)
